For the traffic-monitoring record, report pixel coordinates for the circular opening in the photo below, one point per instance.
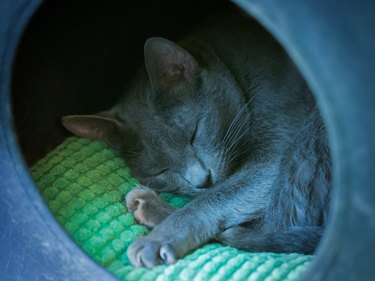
(74, 58)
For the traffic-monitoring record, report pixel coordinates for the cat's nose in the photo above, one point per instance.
(206, 182)
(198, 175)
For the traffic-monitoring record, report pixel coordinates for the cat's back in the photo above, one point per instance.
(241, 43)
(261, 67)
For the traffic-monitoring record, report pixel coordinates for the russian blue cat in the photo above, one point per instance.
(225, 117)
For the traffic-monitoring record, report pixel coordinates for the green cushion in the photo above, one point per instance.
(83, 182)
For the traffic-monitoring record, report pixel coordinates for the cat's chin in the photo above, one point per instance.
(193, 192)
(190, 191)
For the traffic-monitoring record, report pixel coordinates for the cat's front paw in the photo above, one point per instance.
(148, 208)
(146, 252)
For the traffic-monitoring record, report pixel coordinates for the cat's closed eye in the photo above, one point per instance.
(193, 136)
(159, 172)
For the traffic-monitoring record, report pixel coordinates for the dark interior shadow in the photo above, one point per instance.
(76, 56)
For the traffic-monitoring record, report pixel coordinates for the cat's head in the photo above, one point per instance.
(182, 125)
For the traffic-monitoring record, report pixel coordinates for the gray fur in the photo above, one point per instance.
(226, 118)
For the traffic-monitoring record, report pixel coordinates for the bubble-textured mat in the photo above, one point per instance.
(83, 181)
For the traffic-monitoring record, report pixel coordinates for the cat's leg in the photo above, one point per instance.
(301, 193)
(293, 240)
(299, 200)
(241, 198)
(148, 208)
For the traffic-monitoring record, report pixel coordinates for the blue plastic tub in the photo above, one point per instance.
(333, 44)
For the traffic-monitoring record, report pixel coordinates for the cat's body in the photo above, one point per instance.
(228, 120)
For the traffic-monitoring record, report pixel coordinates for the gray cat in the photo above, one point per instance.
(224, 117)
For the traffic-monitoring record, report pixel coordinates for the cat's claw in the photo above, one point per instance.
(135, 197)
(148, 208)
(148, 253)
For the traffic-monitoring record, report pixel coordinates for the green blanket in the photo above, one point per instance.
(83, 182)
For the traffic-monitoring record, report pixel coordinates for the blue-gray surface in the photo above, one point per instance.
(32, 244)
(333, 43)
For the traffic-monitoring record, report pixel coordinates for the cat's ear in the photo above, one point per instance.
(170, 67)
(103, 126)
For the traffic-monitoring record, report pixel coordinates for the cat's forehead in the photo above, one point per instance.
(160, 134)
(174, 118)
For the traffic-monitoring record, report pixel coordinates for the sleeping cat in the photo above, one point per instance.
(225, 117)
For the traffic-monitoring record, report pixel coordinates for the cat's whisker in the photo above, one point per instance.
(127, 153)
(236, 149)
(233, 125)
(239, 153)
(234, 136)
(222, 160)
(239, 134)
(237, 138)
(236, 130)
(234, 121)
(237, 146)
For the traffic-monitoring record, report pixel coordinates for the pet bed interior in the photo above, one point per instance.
(76, 58)
(83, 183)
